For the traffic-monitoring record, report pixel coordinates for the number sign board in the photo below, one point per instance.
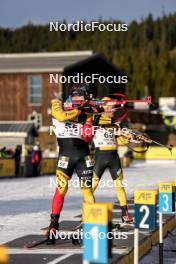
(145, 209)
(166, 197)
(96, 219)
(175, 189)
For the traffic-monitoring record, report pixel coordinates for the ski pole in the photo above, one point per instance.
(162, 145)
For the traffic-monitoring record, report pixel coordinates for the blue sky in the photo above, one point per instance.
(14, 13)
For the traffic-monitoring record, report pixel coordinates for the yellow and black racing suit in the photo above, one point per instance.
(106, 156)
(74, 155)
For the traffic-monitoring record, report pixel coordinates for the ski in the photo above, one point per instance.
(122, 226)
(74, 236)
(36, 243)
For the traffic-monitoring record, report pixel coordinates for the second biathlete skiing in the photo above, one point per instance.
(106, 157)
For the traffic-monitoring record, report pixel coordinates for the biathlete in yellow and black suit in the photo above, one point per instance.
(106, 156)
(74, 154)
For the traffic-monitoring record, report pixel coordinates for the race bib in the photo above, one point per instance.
(89, 162)
(104, 138)
(63, 162)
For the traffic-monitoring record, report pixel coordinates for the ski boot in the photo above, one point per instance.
(126, 218)
(53, 228)
(77, 238)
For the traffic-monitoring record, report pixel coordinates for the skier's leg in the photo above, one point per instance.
(117, 175)
(95, 181)
(88, 196)
(57, 203)
(61, 190)
(84, 171)
(99, 168)
(120, 190)
(121, 195)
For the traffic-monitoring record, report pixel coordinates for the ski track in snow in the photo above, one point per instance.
(25, 203)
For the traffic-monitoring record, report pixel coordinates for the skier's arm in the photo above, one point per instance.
(121, 140)
(60, 114)
(123, 137)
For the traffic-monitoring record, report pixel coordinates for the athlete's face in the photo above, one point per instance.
(108, 110)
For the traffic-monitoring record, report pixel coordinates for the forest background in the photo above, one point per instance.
(146, 52)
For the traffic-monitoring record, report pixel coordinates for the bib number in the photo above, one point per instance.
(63, 162)
(89, 162)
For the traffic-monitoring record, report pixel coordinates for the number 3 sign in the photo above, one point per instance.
(145, 209)
(166, 198)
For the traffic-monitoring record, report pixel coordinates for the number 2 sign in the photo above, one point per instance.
(145, 209)
(146, 214)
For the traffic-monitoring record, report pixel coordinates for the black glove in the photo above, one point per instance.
(96, 120)
(86, 108)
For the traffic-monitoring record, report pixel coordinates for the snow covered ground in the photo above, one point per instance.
(25, 202)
